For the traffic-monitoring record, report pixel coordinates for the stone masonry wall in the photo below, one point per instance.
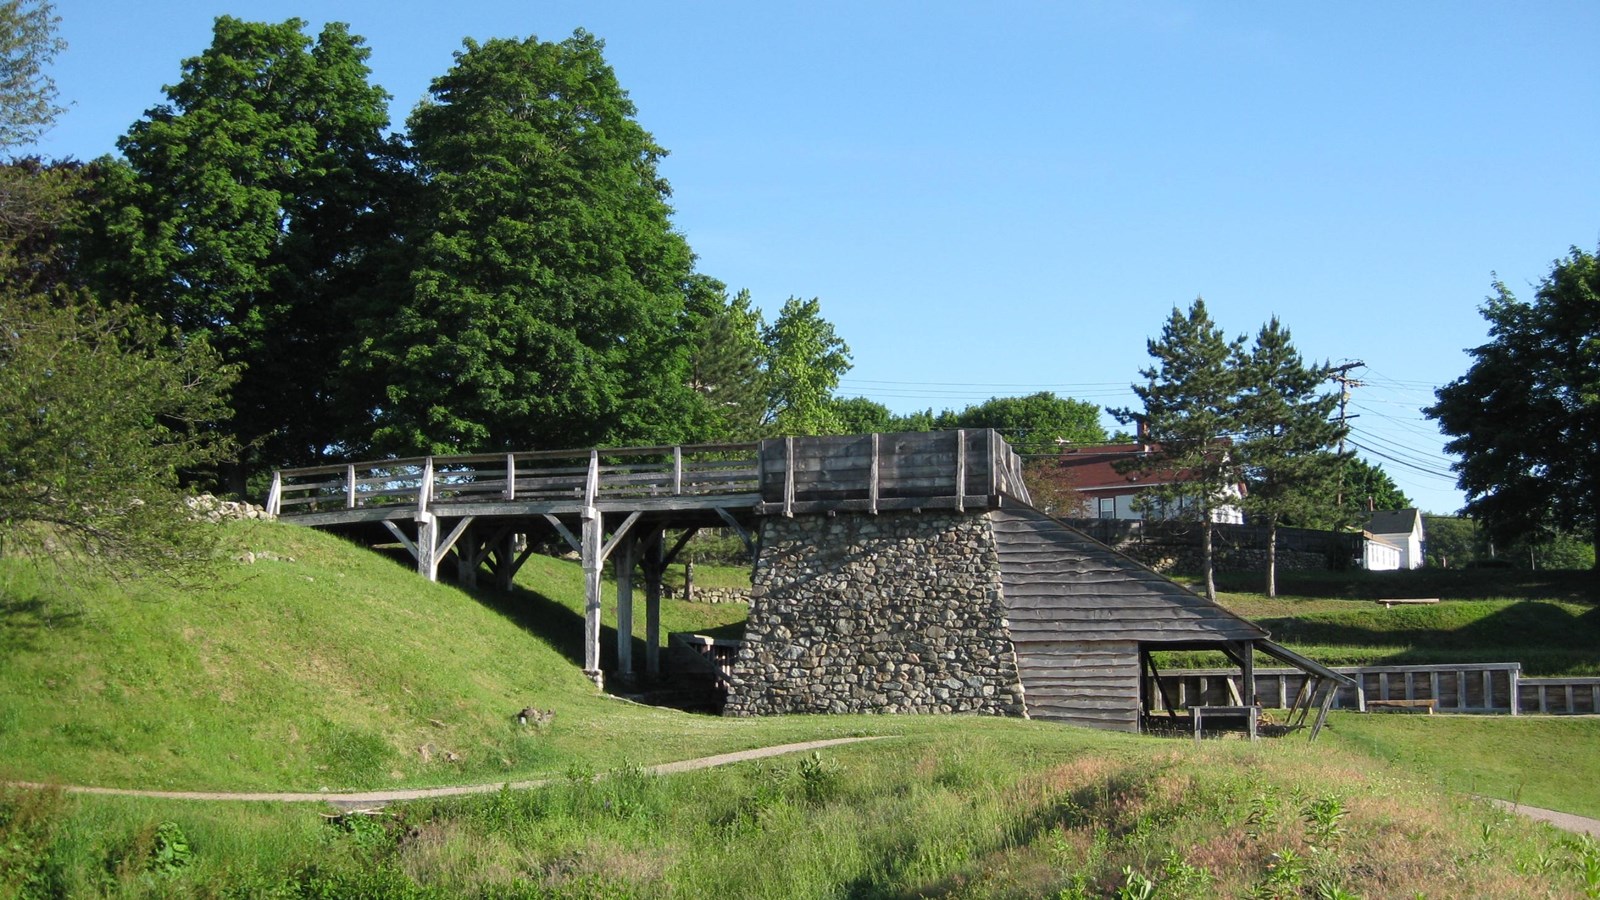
(898, 612)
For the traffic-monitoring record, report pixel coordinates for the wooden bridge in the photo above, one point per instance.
(618, 504)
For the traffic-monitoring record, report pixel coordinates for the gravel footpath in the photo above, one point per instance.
(1564, 821)
(370, 799)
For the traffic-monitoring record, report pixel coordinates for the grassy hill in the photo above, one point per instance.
(313, 664)
(318, 665)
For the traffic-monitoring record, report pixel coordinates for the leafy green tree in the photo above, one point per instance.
(1034, 425)
(725, 356)
(1365, 487)
(100, 413)
(1190, 401)
(548, 290)
(250, 212)
(28, 44)
(1453, 541)
(804, 361)
(1285, 432)
(1526, 416)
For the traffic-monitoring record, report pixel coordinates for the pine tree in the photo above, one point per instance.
(1190, 409)
(1285, 430)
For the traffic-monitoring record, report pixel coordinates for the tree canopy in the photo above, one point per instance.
(549, 283)
(1525, 418)
(1034, 425)
(251, 210)
(1285, 427)
(1190, 408)
(28, 44)
(804, 361)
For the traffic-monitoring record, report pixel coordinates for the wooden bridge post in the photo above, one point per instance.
(427, 526)
(655, 565)
(593, 526)
(627, 555)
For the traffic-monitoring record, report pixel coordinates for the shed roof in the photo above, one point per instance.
(1060, 584)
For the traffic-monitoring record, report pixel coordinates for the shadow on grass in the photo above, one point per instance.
(22, 618)
(1448, 584)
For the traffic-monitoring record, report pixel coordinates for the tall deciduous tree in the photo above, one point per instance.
(1285, 432)
(549, 283)
(1525, 419)
(1190, 406)
(100, 412)
(1033, 425)
(804, 361)
(28, 44)
(251, 210)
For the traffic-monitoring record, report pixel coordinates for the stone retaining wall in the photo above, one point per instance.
(899, 612)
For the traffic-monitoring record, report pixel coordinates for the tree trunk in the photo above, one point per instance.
(1272, 556)
(1205, 543)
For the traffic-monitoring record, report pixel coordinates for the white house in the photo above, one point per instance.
(1400, 529)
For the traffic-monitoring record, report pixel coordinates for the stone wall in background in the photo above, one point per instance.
(898, 612)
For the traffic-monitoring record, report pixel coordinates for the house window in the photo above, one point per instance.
(1108, 507)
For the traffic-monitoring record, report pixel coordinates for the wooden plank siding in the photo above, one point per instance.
(1091, 683)
(1078, 612)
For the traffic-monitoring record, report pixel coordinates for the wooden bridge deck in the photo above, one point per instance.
(483, 508)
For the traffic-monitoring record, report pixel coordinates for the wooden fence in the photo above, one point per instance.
(1132, 533)
(1463, 688)
(1559, 696)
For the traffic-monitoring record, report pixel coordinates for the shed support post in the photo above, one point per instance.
(593, 525)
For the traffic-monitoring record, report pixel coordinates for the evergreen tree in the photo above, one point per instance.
(1190, 401)
(548, 290)
(251, 211)
(1285, 431)
(725, 355)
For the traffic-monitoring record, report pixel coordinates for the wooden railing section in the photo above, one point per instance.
(961, 470)
(581, 478)
(1464, 687)
(965, 469)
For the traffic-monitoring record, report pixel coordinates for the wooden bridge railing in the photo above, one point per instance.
(961, 469)
(579, 477)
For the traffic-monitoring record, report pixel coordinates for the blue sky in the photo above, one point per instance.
(994, 199)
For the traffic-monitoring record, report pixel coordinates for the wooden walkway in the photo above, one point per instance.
(619, 504)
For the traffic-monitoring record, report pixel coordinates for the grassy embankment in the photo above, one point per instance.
(334, 668)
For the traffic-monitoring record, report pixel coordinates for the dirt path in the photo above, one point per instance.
(367, 799)
(1564, 821)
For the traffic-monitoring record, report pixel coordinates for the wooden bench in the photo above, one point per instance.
(1247, 713)
(1407, 601)
(1409, 706)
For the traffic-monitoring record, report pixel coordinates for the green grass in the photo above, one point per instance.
(326, 667)
(329, 666)
(1547, 621)
(968, 807)
(1541, 761)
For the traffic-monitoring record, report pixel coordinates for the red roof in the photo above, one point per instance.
(1092, 468)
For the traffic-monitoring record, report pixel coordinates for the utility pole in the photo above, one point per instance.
(1341, 375)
